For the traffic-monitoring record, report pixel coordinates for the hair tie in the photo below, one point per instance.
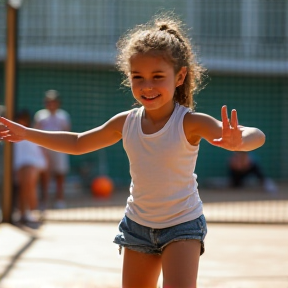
(164, 27)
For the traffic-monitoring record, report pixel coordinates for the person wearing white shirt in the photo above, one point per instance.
(52, 118)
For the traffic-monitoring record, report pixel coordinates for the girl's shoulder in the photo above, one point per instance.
(198, 119)
(123, 115)
(119, 119)
(200, 125)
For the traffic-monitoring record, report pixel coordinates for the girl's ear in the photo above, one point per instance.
(181, 76)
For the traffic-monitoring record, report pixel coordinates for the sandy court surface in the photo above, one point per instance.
(83, 255)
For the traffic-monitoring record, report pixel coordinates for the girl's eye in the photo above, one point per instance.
(158, 77)
(136, 77)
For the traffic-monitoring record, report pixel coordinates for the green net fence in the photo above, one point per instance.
(70, 46)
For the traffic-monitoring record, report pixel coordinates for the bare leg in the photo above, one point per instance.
(21, 191)
(28, 177)
(32, 199)
(140, 270)
(180, 262)
(44, 184)
(60, 180)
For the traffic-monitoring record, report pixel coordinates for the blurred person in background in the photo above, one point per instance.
(241, 166)
(28, 162)
(52, 118)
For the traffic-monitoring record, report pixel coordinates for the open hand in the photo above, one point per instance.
(231, 132)
(11, 131)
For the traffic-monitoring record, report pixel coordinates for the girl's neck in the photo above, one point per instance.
(160, 114)
(154, 120)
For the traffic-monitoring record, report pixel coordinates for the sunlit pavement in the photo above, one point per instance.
(83, 255)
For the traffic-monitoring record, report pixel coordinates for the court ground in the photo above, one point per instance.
(78, 255)
(73, 247)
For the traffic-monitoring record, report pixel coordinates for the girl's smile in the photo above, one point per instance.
(150, 98)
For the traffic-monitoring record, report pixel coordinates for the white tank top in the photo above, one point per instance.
(163, 190)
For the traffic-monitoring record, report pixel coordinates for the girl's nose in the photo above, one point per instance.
(146, 89)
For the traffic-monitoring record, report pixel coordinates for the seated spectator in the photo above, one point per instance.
(241, 165)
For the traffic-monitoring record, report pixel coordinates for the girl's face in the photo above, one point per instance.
(153, 80)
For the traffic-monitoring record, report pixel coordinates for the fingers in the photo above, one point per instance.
(5, 133)
(234, 119)
(3, 126)
(4, 121)
(224, 116)
(225, 119)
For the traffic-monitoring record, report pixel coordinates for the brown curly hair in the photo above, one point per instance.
(164, 36)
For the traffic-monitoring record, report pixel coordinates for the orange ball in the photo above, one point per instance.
(102, 186)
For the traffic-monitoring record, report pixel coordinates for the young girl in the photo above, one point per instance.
(163, 227)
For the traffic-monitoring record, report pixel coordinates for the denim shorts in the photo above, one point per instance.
(152, 241)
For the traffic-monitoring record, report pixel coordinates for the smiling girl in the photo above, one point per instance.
(163, 226)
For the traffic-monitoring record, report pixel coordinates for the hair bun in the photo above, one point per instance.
(163, 27)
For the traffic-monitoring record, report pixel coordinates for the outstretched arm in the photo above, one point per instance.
(227, 134)
(66, 142)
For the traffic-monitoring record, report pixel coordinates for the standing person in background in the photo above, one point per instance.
(28, 162)
(52, 118)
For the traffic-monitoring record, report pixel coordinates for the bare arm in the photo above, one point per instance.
(67, 142)
(226, 134)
